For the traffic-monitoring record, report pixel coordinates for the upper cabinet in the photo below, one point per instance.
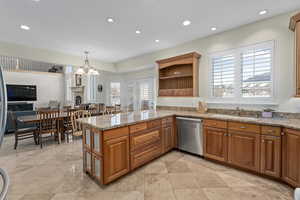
(178, 76)
(295, 26)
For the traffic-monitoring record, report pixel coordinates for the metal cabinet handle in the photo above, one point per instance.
(282, 133)
(242, 127)
(263, 141)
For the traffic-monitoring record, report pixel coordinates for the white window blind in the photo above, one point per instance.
(115, 89)
(223, 68)
(243, 73)
(256, 66)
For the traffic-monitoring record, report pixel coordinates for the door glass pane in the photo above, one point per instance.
(88, 137)
(88, 161)
(96, 142)
(97, 168)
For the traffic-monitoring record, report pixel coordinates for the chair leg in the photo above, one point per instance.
(68, 140)
(40, 140)
(35, 138)
(16, 141)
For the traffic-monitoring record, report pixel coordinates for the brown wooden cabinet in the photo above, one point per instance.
(295, 26)
(291, 157)
(178, 76)
(169, 139)
(168, 134)
(243, 149)
(215, 143)
(116, 158)
(271, 155)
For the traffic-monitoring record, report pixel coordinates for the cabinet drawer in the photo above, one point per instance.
(215, 123)
(154, 124)
(144, 139)
(142, 157)
(271, 130)
(115, 133)
(167, 121)
(238, 126)
(137, 127)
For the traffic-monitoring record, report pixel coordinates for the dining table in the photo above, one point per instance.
(35, 119)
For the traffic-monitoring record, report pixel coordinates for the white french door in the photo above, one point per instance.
(140, 94)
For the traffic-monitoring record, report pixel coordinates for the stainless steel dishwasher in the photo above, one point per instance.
(190, 135)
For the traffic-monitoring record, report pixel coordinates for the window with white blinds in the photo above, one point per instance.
(223, 68)
(243, 73)
(256, 64)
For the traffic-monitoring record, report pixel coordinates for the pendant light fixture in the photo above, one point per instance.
(86, 68)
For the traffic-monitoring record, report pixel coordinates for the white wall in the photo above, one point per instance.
(43, 55)
(49, 86)
(275, 28)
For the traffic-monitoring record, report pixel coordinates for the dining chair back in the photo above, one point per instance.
(48, 124)
(101, 108)
(22, 133)
(109, 109)
(76, 127)
(118, 108)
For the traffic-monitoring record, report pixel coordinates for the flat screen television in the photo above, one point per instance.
(21, 92)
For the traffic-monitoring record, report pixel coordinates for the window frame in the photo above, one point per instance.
(237, 98)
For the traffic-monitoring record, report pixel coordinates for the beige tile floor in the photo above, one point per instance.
(55, 173)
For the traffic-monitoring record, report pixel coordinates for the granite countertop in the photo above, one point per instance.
(123, 119)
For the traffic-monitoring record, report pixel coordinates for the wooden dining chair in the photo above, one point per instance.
(22, 133)
(101, 108)
(117, 108)
(68, 121)
(109, 110)
(48, 125)
(76, 127)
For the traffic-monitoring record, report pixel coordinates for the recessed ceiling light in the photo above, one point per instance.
(138, 32)
(213, 28)
(24, 27)
(263, 12)
(110, 20)
(157, 41)
(186, 23)
(36, 0)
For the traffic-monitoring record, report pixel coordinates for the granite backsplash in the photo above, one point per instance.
(241, 112)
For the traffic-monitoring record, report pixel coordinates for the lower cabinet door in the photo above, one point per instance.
(168, 138)
(141, 157)
(97, 168)
(87, 161)
(291, 157)
(215, 143)
(244, 150)
(270, 155)
(116, 158)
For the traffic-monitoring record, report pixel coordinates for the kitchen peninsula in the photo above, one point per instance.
(114, 145)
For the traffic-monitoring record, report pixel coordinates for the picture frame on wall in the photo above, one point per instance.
(78, 80)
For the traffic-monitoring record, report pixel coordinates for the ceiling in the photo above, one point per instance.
(73, 26)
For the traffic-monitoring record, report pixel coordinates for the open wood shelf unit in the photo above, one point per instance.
(295, 26)
(178, 76)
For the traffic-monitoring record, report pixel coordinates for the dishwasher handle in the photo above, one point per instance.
(189, 119)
